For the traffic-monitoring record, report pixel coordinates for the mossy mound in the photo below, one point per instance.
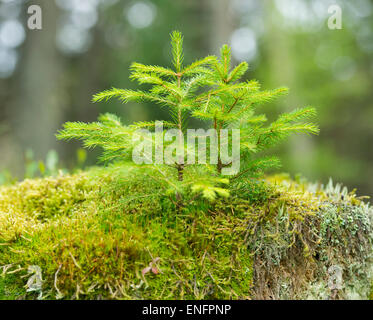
(116, 234)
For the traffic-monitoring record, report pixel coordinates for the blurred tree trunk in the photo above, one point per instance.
(36, 110)
(282, 72)
(221, 25)
(83, 81)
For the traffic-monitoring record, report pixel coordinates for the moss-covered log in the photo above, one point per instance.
(114, 233)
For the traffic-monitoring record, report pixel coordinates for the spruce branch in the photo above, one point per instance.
(177, 50)
(160, 71)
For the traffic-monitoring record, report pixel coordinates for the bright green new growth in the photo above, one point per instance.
(208, 89)
(232, 104)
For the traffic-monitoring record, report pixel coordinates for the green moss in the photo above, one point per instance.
(26, 206)
(117, 233)
(11, 288)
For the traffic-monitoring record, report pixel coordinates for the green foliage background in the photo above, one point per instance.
(329, 69)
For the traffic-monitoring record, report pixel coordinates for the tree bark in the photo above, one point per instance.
(37, 108)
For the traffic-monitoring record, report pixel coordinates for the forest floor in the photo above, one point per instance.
(116, 234)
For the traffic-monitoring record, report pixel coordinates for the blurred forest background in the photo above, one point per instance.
(48, 76)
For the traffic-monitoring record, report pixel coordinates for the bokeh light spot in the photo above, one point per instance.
(243, 42)
(12, 34)
(73, 40)
(141, 14)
